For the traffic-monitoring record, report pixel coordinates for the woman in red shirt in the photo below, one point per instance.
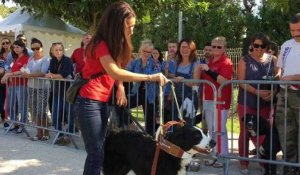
(219, 68)
(17, 89)
(109, 51)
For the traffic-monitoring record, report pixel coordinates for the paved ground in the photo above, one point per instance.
(21, 156)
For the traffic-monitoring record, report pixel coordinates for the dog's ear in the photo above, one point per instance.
(198, 118)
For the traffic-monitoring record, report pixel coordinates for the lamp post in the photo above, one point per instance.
(179, 26)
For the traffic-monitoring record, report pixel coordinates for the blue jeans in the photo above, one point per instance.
(17, 94)
(62, 112)
(93, 117)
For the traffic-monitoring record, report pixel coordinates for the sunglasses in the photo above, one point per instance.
(7, 43)
(218, 47)
(145, 51)
(37, 49)
(258, 45)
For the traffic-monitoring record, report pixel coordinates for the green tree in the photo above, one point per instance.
(5, 11)
(203, 20)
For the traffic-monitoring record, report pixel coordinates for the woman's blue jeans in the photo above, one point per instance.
(92, 117)
(17, 102)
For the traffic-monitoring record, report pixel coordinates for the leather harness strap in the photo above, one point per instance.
(155, 160)
(167, 146)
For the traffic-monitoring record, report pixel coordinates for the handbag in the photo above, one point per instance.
(78, 82)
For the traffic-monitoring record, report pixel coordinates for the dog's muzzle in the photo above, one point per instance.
(250, 125)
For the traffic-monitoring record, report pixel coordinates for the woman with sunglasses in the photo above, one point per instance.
(38, 89)
(145, 93)
(17, 90)
(254, 66)
(219, 68)
(4, 53)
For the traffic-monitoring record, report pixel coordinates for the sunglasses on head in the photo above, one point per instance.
(57, 43)
(145, 51)
(7, 43)
(218, 47)
(259, 45)
(37, 49)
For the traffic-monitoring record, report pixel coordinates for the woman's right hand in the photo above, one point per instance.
(159, 77)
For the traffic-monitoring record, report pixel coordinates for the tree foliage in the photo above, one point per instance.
(5, 11)
(202, 20)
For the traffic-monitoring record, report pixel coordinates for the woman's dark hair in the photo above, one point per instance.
(274, 47)
(35, 40)
(261, 36)
(2, 48)
(192, 46)
(111, 29)
(19, 43)
(160, 57)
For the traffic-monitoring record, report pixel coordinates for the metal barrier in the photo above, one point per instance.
(254, 117)
(59, 112)
(40, 103)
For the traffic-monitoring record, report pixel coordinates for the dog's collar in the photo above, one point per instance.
(173, 149)
(169, 148)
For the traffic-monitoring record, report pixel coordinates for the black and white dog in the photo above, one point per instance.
(270, 146)
(130, 150)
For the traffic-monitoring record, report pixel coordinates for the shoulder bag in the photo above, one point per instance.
(78, 82)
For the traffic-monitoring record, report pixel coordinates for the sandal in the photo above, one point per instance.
(44, 138)
(214, 163)
(36, 138)
(218, 164)
(244, 170)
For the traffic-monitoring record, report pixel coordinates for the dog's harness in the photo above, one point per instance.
(167, 146)
(161, 142)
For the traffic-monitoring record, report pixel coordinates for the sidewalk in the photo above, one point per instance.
(21, 156)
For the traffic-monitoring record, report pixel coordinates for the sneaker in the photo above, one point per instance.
(20, 130)
(244, 171)
(35, 138)
(14, 127)
(5, 125)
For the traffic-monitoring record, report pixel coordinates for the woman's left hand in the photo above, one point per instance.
(4, 79)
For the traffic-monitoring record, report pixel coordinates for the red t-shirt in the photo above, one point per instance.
(16, 66)
(78, 58)
(223, 67)
(99, 88)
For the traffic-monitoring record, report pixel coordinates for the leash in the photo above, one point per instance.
(161, 143)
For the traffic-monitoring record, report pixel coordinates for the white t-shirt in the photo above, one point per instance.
(289, 58)
(40, 65)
